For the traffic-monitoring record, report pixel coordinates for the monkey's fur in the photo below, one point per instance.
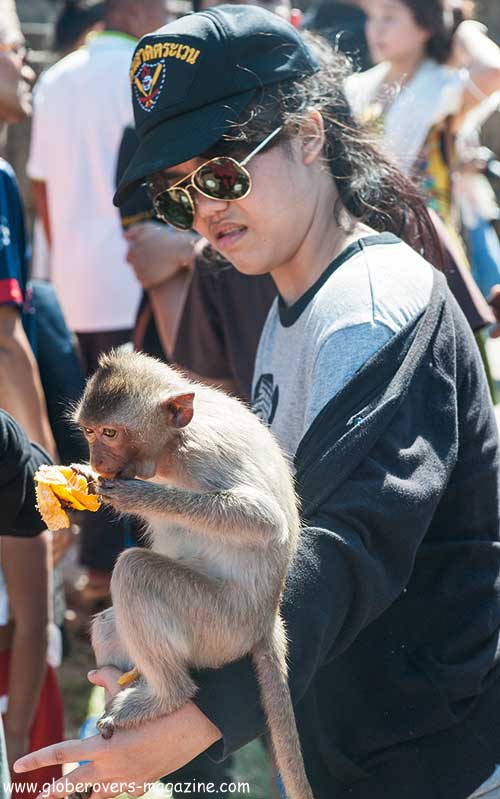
(223, 525)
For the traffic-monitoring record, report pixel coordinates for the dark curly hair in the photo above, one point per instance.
(74, 19)
(441, 20)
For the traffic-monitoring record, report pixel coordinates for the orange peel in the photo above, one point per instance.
(58, 487)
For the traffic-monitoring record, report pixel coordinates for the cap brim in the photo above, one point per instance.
(181, 138)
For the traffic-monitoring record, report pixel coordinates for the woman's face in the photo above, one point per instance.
(265, 229)
(393, 33)
(16, 79)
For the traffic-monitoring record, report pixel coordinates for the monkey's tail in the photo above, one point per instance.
(269, 657)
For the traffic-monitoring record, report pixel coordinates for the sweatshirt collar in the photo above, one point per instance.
(288, 314)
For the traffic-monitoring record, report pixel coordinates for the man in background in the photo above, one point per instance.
(342, 22)
(81, 109)
(82, 106)
(21, 390)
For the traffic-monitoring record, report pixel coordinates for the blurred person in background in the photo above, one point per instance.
(30, 700)
(34, 712)
(475, 198)
(434, 66)
(281, 7)
(72, 164)
(342, 22)
(30, 651)
(21, 390)
(75, 20)
(82, 107)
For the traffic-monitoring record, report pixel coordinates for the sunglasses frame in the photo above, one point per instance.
(184, 189)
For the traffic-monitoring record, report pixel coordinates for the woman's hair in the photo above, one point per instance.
(370, 186)
(74, 19)
(441, 18)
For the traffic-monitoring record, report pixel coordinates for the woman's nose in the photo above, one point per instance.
(208, 206)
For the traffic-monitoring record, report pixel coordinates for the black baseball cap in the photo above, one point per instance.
(192, 79)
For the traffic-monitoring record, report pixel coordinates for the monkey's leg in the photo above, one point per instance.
(140, 703)
(169, 618)
(108, 649)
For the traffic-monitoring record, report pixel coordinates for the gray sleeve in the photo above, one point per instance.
(339, 357)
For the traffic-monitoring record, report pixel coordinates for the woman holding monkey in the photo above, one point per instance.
(372, 383)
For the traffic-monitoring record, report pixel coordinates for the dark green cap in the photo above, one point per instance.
(194, 78)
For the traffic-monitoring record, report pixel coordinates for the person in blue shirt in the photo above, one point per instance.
(21, 390)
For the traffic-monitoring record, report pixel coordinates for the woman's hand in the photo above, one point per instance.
(131, 758)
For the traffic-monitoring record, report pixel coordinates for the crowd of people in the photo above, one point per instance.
(346, 294)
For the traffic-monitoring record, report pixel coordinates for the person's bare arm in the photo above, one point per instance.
(162, 259)
(131, 756)
(167, 301)
(481, 56)
(39, 188)
(21, 392)
(25, 563)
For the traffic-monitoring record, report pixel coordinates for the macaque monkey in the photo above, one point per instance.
(217, 498)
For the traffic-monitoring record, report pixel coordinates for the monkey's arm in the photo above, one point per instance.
(227, 513)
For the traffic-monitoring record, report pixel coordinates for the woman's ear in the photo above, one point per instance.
(312, 135)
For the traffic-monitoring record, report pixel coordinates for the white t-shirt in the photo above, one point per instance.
(309, 351)
(82, 105)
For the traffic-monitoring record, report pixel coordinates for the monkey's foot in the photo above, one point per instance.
(106, 727)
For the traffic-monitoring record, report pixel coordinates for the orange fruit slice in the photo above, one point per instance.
(58, 487)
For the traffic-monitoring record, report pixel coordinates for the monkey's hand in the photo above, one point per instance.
(126, 496)
(87, 471)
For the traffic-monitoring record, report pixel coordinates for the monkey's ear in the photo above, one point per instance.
(178, 410)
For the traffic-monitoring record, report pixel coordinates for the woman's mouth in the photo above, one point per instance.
(227, 237)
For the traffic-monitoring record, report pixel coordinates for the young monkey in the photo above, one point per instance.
(217, 496)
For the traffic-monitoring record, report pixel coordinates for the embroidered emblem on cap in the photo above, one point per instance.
(148, 81)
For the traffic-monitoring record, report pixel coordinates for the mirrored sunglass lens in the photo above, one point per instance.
(175, 207)
(222, 179)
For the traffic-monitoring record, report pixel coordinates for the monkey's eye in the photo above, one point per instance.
(109, 432)
(88, 431)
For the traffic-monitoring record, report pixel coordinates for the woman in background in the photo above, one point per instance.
(434, 65)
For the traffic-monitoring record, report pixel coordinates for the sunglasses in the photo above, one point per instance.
(221, 178)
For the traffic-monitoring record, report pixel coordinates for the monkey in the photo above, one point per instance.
(221, 516)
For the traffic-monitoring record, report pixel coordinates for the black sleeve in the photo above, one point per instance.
(355, 558)
(19, 460)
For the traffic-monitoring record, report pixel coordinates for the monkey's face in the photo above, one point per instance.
(117, 452)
